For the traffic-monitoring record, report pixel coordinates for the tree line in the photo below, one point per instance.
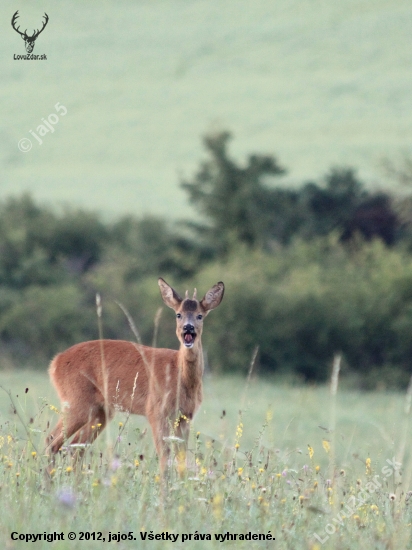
(309, 271)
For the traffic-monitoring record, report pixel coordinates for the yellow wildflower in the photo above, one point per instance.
(217, 505)
(326, 445)
(239, 432)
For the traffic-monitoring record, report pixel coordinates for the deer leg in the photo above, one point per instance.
(93, 427)
(88, 433)
(84, 431)
(64, 429)
(160, 430)
(181, 430)
(78, 426)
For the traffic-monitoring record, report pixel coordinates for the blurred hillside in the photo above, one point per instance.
(319, 83)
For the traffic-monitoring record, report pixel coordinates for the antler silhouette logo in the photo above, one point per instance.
(28, 40)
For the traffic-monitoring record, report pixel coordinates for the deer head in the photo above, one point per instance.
(28, 40)
(190, 312)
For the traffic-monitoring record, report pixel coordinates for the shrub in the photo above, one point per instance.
(309, 301)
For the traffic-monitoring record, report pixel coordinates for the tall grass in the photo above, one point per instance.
(264, 468)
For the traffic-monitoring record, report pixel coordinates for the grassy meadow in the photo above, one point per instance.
(263, 459)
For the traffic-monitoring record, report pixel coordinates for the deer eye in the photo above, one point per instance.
(178, 315)
(200, 317)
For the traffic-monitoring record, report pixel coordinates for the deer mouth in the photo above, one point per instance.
(189, 338)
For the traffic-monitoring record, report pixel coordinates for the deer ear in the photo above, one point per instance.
(170, 297)
(213, 297)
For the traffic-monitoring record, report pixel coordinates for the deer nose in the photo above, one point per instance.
(188, 328)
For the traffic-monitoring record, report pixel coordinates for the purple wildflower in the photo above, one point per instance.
(66, 497)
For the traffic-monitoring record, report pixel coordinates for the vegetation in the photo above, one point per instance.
(311, 271)
(276, 467)
(241, 205)
(316, 84)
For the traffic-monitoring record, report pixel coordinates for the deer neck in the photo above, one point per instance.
(191, 365)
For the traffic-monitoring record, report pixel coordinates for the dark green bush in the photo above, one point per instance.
(242, 204)
(310, 301)
(42, 320)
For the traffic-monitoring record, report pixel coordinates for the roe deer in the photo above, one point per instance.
(95, 378)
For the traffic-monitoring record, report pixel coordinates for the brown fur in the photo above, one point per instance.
(95, 378)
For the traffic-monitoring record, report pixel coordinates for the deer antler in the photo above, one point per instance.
(194, 295)
(24, 34)
(36, 34)
(13, 23)
(28, 40)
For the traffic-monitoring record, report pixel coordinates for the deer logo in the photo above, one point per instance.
(28, 40)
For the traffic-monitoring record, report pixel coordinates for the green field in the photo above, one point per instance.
(269, 484)
(315, 82)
